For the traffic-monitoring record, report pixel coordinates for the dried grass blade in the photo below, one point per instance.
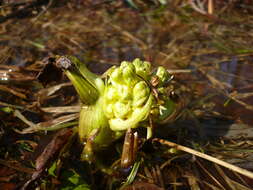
(12, 91)
(247, 106)
(192, 181)
(132, 175)
(225, 177)
(19, 115)
(160, 176)
(241, 179)
(239, 185)
(210, 175)
(62, 109)
(58, 123)
(51, 90)
(11, 106)
(223, 86)
(214, 81)
(17, 167)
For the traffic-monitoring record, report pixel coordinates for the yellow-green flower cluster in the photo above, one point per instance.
(128, 98)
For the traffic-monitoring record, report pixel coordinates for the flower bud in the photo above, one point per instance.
(128, 72)
(163, 75)
(121, 109)
(143, 68)
(140, 94)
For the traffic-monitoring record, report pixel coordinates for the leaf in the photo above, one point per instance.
(6, 109)
(132, 175)
(73, 181)
(82, 187)
(51, 170)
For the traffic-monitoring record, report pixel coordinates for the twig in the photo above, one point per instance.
(210, 7)
(207, 157)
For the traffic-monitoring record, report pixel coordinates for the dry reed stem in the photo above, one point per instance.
(207, 157)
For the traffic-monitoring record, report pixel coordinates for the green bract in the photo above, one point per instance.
(124, 98)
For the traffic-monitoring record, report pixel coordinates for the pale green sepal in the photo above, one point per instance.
(87, 93)
(92, 78)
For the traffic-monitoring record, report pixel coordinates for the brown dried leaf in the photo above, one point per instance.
(53, 148)
(50, 151)
(50, 73)
(13, 91)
